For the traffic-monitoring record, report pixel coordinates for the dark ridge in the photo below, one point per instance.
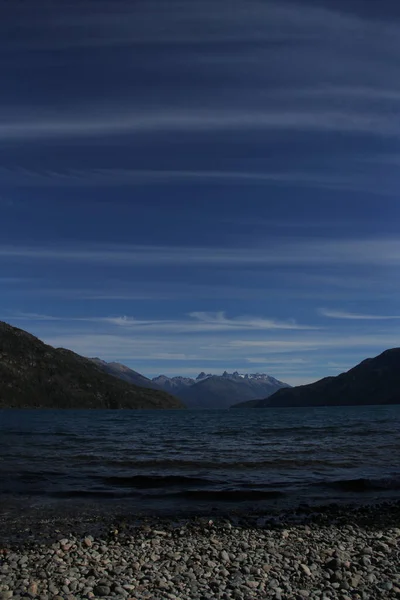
(375, 381)
(35, 375)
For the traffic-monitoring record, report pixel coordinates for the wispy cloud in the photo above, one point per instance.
(199, 322)
(120, 23)
(339, 314)
(233, 45)
(219, 319)
(287, 251)
(339, 366)
(321, 179)
(148, 290)
(283, 362)
(36, 127)
(298, 40)
(313, 343)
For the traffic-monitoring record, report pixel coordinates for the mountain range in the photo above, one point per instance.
(35, 375)
(220, 391)
(206, 390)
(373, 381)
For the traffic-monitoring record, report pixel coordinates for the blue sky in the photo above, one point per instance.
(199, 185)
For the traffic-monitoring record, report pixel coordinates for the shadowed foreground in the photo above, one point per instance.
(335, 553)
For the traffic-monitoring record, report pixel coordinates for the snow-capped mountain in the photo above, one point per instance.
(206, 390)
(172, 384)
(220, 391)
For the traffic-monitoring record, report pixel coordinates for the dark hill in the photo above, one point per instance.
(373, 381)
(34, 375)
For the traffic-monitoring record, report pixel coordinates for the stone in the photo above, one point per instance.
(333, 564)
(102, 590)
(387, 585)
(305, 570)
(224, 556)
(33, 589)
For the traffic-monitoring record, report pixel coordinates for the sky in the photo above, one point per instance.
(199, 185)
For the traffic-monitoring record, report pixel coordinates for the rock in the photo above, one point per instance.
(333, 564)
(102, 590)
(306, 570)
(209, 563)
(252, 584)
(224, 556)
(33, 589)
(387, 585)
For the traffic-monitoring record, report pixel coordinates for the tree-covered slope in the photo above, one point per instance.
(35, 375)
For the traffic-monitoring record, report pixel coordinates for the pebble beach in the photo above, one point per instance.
(308, 553)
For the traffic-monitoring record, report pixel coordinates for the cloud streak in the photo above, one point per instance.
(321, 179)
(178, 120)
(288, 251)
(338, 314)
(120, 23)
(198, 322)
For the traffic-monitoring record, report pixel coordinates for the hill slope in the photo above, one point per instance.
(373, 381)
(124, 373)
(34, 375)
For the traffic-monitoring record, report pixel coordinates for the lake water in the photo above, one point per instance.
(163, 461)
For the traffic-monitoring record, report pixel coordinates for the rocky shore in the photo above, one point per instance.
(308, 553)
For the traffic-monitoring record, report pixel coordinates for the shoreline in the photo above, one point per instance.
(45, 522)
(332, 552)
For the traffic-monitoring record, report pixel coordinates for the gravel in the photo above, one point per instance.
(337, 552)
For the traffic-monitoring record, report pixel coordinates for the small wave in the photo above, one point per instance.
(90, 494)
(364, 484)
(282, 430)
(154, 481)
(227, 433)
(188, 495)
(230, 495)
(175, 464)
(41, 434)
(32, 476)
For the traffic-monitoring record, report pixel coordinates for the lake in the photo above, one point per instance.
(197, 461)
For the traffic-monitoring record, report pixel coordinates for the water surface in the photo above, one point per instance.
(201, 460)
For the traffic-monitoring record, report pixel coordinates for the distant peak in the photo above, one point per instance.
(203, 375)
